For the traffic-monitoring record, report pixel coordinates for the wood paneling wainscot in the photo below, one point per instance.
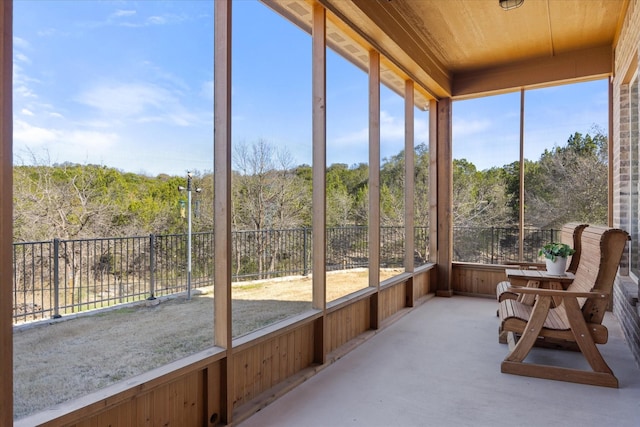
(393, 296)
(262, 363)
(477, 279)
(183, 393)
(348, 318)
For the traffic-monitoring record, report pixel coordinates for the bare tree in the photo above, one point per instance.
(65, 201)
(267, 196)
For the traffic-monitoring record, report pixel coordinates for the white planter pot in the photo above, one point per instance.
(557, 267)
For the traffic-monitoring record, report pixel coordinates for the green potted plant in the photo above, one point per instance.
(556, 257)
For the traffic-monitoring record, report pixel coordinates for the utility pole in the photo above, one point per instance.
(197, 190)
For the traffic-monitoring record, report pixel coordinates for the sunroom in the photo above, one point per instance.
(423, 58)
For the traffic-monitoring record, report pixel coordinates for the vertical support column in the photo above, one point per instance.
(319, 220)
(610, 187)
(409, 187)
(433, 181)
(222, 200)
(444, 191)
(6, 213)
(374, 183)
(521, 210)
(409, 175)
(374, 169)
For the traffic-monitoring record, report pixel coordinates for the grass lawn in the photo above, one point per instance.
(58, 361)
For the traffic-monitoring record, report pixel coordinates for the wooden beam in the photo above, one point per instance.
(409, 167)
(374, 177)
(6, 213)
(583, 65)
(370, 19)
(401, 33)
(433, 181)
(445, 204)
(222, 198)
(521, 210)
(610, 154)
(319, 219)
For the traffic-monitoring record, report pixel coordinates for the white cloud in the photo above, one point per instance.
(26, 112)
(24, 91)
(127, 99)
(463, 127)
(92, 141)
(22, 57)
(22, 83)
(358, 137)
(391, 128)
(207, 89)
(51, 32)
(29, 135)
(119, 13)
(157, 20)
(165, 76)
(73, 145)
(131, 19)
(20, 43)
(138, 102)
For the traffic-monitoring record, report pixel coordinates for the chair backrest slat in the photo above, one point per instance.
(601, 251)
(571, 234)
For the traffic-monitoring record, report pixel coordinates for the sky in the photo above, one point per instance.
(129, 84)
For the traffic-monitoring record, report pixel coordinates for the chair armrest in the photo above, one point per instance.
(555, 292)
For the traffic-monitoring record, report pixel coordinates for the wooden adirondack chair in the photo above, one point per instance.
(576, 321)
(570, 234)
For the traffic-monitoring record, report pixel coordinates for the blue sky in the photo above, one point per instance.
(129, 84)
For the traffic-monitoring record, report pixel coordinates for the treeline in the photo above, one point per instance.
(567, 183)
(71, 201)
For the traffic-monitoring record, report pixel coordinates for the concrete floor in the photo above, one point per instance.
(440, 366)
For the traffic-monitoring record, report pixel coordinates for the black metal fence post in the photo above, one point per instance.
(56, 279)
(493, 256)
(305, 240)
(152, 267)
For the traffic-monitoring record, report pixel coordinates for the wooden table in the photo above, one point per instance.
(520, 277)
(538, 278)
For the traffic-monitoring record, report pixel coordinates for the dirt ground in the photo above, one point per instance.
(58, 361)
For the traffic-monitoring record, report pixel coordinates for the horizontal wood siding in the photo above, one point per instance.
(477, 279)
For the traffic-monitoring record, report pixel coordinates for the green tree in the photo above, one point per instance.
(570, 183)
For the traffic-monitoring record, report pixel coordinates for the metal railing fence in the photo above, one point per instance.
(496, 245)
(60, 277)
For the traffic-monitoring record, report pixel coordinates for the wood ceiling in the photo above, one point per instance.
(468, 48)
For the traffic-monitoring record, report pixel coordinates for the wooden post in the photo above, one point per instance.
(409, 168)
(6, 214)
(610, 153)
(222, 199)
(521, 215)
(374, 182)
(444, 191)
(409, 187)
(319, 220)
(433, 181)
